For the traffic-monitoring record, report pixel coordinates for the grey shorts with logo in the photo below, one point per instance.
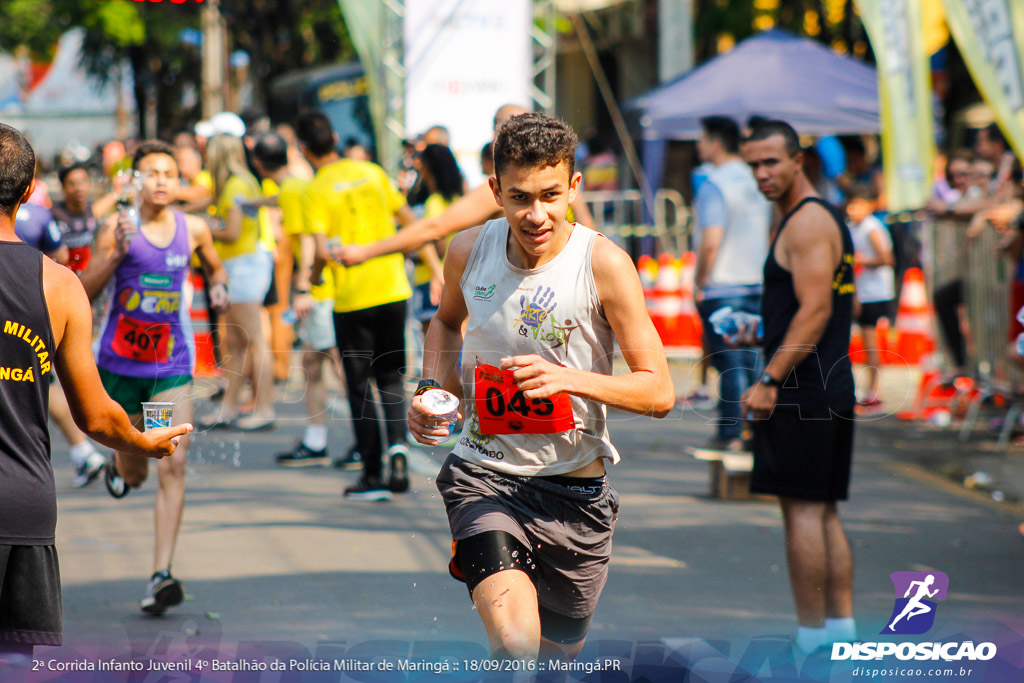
(569, 533)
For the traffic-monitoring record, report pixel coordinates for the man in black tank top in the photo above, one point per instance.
(45, 316)
(803, 404)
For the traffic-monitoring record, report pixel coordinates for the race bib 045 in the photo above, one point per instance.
(502, 408)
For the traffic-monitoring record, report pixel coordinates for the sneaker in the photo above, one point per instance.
(88, 470)
(398, 455)
(164, 591)
(113, 481)
(353, 460)
(368, 490)
(302, 456)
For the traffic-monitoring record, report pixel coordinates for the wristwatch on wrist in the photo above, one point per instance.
(426, 385)
(302, 291)
(770, 381)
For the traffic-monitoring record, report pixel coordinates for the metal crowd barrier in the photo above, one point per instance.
(620, 214)
(986, 276)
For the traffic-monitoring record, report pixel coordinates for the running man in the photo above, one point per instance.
(803, 403)
(146, 349)
(915, 607)
(46, 317)
(541, 301)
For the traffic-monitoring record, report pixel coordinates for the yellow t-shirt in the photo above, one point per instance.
(247, 241)
(289, 199)
(267, 238)
(434, 206)
(356, 202)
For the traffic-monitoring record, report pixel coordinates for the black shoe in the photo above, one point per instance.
(302, 456)
(164, 591)
(352, 460)
(398, 455)
(113, 481)
(368, 490)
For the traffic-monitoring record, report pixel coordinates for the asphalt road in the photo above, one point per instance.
(276, 560)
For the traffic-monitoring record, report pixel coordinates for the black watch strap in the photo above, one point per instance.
(426, 385)
(770, 381)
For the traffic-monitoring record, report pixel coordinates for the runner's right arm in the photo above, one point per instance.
(107, 254)
(94, 411)
(444, 337)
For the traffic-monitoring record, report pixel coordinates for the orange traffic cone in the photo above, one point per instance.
(914, 338)
(667, 301)
(206, 364)
(690, 323)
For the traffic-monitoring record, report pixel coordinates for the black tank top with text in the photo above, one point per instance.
(822, 383)
(28, 502)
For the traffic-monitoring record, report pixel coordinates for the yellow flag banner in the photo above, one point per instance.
(990, 36)
(904, 92)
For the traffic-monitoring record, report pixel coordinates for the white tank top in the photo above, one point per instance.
(552, 311)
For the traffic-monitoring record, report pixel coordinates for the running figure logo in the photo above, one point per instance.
(914, 612)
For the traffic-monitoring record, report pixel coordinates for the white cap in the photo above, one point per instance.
(224, 123)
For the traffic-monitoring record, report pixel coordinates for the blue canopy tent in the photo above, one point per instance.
(773, 74)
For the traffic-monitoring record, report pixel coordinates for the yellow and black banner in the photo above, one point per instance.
(905, 94)
(990, 36)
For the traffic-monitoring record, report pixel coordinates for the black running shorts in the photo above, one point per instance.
(568, 532)
(30, 602)
(803, 458)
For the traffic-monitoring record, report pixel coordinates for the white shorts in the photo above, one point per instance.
(316, 330)
(249, 276)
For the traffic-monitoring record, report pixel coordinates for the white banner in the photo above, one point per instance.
(463, 60)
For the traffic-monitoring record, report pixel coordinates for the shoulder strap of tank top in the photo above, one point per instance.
(792, 212)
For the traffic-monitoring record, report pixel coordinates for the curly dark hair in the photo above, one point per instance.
(534, 140)
(152, 147)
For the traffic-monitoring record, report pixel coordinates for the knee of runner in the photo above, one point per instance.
(515, 644)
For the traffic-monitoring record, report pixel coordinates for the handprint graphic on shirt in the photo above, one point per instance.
(537, 310)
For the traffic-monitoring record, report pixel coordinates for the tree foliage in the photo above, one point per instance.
(279, 35)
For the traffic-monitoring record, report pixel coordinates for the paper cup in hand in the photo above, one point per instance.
(157, 414)
(441, 404)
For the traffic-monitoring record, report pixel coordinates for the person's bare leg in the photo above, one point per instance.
(806, 554)
(839, 582)
(316, 388)
(248, 317)
(870, 336)
(507, 603)
(133, 468)
(235, 352)
(170, 494)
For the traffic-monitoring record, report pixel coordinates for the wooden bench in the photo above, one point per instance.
(730, 472)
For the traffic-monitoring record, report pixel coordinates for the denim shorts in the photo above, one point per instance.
(249, 276)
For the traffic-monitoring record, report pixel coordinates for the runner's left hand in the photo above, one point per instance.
(349, 255)
(536, 377)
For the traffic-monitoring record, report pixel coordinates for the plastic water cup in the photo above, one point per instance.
(157, 414)
(444, 405)
(334, 244)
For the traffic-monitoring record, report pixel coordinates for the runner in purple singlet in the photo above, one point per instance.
(146, 350)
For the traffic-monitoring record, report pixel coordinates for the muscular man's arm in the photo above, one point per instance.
(647, 388)
(810, 255)
(93, 410)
